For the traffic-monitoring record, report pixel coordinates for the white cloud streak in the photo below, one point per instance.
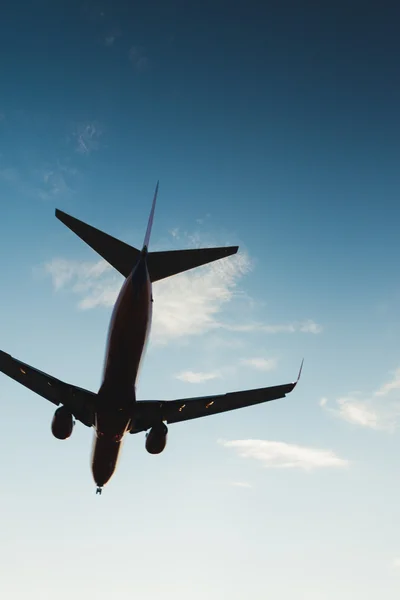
(197, 376)
(280, 455)
(260, 363)
(87, 137)
(241, 484)
(396, 563)
(187, 304)
(369, 411)
(307, 326)
(390, 386)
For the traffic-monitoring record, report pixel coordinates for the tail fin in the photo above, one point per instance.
(124, 257)
(150, 223)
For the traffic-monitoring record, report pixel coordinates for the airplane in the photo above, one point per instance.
(114, 410)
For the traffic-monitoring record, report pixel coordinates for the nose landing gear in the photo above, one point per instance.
(99, 490)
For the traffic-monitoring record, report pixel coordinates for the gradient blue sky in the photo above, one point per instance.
(275, 127)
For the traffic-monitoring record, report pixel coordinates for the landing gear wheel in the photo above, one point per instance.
(99, 490)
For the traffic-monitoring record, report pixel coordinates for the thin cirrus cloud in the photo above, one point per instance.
(111, 38)
(306, 326)
(87, 136)
(259, 363)
(187, 304)
(370, 411)
(281, 455)
(241, 484)
(396, 563)
(197, 376)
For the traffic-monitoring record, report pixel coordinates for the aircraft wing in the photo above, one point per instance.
(79, 401)
(175, 411)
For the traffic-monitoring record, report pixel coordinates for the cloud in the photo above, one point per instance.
(112, 36)
(369, 411)
(308, 326)
(393, 384)
(87, 136)
(138, 58)
(396, 563)
(280, 455)
(97, 282)
(52, 182)
(259, 363)
(187, 304)
(197, 377)
(241, 484)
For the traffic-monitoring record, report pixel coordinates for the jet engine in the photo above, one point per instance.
(62, 423)
(156, 439)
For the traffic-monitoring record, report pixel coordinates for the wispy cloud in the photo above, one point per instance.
(280, 455)
(241, 484)
(197, 376)
(138, 58)
(187, 304)
(112, 37)
(54, 180)
(260, 363)
(44, 182)
(307, 326)
(97, 283)
(87, 136)
(389, 386)
(396, 563)
(369, 410)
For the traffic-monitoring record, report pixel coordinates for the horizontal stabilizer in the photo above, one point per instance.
(120, 255)
(165, 264)
(124, 257)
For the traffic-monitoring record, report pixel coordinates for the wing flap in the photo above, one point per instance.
(78, 400)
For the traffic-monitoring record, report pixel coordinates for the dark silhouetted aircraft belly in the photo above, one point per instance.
(128, 333)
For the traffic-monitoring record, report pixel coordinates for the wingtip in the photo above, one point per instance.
(300, 370)
(60, 214)
(298, 376)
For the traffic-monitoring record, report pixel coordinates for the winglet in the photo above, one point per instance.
(150, 223)
(299, 375)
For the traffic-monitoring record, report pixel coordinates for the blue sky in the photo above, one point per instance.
(275, 128)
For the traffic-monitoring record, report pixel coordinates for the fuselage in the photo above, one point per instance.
(127, 338)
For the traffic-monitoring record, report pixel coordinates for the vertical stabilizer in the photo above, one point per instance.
(150, 223)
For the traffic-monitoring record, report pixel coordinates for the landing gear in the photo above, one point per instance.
(99, 490)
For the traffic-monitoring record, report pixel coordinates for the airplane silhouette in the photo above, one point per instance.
(115, 410)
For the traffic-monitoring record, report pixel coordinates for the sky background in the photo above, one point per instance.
(273, 126)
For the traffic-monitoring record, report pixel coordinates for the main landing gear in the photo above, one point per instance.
(99, 490)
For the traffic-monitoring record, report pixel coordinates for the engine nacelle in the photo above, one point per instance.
(156, 439)
(62, 423)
